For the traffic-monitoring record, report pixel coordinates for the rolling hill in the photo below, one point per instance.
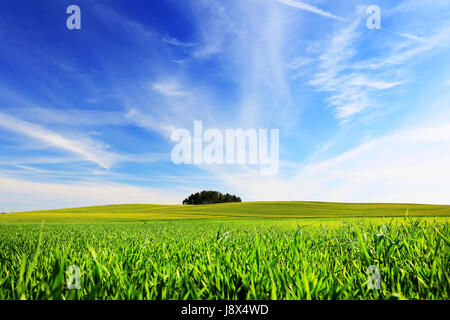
(257, 210)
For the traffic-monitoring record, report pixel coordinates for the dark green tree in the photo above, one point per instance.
(208, 197)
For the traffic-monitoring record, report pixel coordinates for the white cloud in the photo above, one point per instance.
(114, 18)
(359, 80)
(257, 54)
(440, 38)
(87, 151)
(298, 63)
(149, 123)
(414, 37)
(353, 86)
(350, 92)
(69, 116)
(213, 27)
(352, 89)
(177, 43)
(21, 195)
(353, 93)
(409, 166)
(307, 7)
(169, 89)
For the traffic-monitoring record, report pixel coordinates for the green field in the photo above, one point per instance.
(265, 250)
(255, 210)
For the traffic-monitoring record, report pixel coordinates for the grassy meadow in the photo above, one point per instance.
(265, 250)
(255, 210)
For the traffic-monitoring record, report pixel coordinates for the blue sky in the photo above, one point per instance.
(86, 115)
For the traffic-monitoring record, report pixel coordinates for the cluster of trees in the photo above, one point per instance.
(207, 197)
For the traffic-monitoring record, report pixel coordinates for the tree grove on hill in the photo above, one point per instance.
(208, 197)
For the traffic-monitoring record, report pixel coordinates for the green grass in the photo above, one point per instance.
(314, 251)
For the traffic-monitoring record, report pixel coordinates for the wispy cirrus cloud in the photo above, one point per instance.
(407, 51)
(85, 150)
(149, 122)
(360, 80)
(350, 92)
(178, 43)
(413, 37)
(307, 7)
(352, 81)
(169, 89)
(68, 116)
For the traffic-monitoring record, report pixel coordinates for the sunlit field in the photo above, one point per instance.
(151, 252)
(254, 210)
